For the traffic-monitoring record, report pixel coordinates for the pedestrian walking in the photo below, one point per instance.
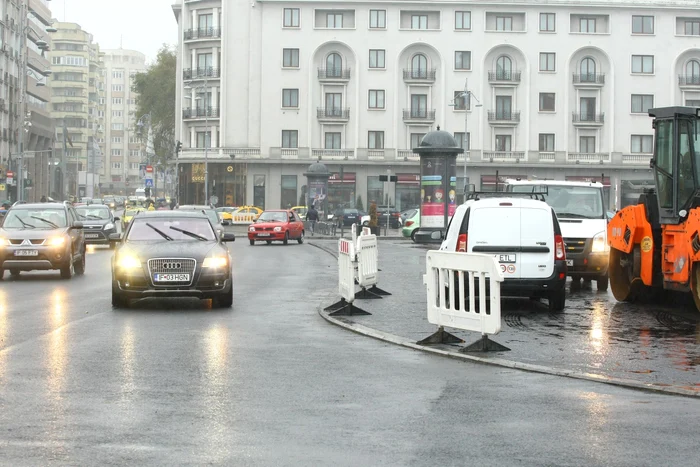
(312, 217)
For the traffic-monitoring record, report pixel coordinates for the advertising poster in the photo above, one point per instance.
(317, 193)
(452, 194)
(433, 192)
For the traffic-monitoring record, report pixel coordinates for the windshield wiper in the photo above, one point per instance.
(92, 216)
(44, 220)
(573, 215)
(188, 233)
(161, 233)
(26, 224)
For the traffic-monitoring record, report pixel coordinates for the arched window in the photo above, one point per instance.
(504, 68)
(334, 65)
(419, 67)
(588, 70)
(692, 72)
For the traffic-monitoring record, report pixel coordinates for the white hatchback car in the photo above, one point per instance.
(525, 238)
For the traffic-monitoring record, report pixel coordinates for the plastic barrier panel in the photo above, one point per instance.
(367, 260)
(346, 270)
(243, 218)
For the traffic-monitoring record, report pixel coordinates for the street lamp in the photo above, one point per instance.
(143, 122)
(466, 95)
(207, 137)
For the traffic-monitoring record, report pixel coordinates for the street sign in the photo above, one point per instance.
(149, 172)
(149, 182)
(9, 176)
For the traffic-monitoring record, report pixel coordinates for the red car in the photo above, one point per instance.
(275, 226)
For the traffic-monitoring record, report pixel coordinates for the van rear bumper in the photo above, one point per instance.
(536, 287)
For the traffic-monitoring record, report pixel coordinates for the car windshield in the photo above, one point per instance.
(183, 229)
(35, 219)
(91, 213)
(210, 213)
(273, 216)
(131, 212)
(579, 202)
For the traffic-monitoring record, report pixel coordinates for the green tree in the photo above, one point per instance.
(156, 95)
(358, 203)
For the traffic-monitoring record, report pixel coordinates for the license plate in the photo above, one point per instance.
(26, 252)
(505, 258)
(171, 277)
(570, 262)
(92, 235)
(263, 235)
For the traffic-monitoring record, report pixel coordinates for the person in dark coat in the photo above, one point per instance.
(312, 217)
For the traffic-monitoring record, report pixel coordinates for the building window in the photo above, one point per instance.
(116, 165)
(116, 139)
(376, 99)
(461, 102)
(117, 74)
(463, 60)
(377, 19)
(375, 190)
(117, 113)
(642, 144)
(547, 61)
(375, 140)
(419, 67)
(334, 20)
(117, 126)
(587, 25)
(504, 68)
(586, 144)
(203, 139)
(692, 72)
(546, 142)
(117, 100)
(116, 152)
(587, 106)
(206, 22)
(377, 58)
(504, 23)
(692, 28)
(332, 140)
(419, 21)
(463, 20)
(588, 70)
(503, 143)
(118, 87)
(290, 138)
(134, 165)
(134, 153)
(504, 107)
(290, 58)
(462, 141)
(334, 66)
(419, 105)
(641, 103)
(289, 191)
(692, 102)
(642, 24)
(643, 64)
(290, 98)
(291, 17)
(547, 22)
(416, 138)
(547, 102)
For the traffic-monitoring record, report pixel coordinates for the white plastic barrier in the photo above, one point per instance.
(447, 272)
(346, 270)
(367, 260)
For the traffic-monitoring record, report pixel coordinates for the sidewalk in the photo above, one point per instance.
(595, 338)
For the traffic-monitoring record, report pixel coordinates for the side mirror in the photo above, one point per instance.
(77, 225)
(436, 235)
(115, 237)
(117, 219)
(228, 237)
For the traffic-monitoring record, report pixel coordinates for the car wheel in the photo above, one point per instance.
(602, 283)
(14, 272)
(413, 236)
(2, 273)
(252, 242)
(557, 300)
(286, 238)
(68, 269)
(269, 242)
(301, 238)
(80, 265)
(224, 300)
(118, 300)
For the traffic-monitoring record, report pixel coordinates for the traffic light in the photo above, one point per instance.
(148, 192)
(178, 147)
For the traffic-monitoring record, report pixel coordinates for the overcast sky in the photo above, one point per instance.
(142, 25)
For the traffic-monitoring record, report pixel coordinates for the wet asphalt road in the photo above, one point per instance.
(271, 383)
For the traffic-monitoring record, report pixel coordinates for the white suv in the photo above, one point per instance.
(525, 238)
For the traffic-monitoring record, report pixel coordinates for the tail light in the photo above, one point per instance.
(409, 223)
(396, 214)
(462, 243)
(559, 250)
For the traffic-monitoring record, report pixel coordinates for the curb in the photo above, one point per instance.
(591, 377)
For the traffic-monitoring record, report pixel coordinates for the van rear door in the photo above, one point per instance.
(495, 229)
(537, 242)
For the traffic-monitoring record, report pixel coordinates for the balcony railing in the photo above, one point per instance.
(202, 33)
(419, 74)
(208, 112)
(589, 78)
(504, 156)
(334, 73)
(509, 117)
(333, 113)
(588, 118)
(333, 154)
(419, 114)
(508, 76)
(588, 157)
(200, 73)
(689, 80)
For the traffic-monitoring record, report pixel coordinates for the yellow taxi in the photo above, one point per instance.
(246, 215)
(301, 211)
(225, 214)
(129, 214)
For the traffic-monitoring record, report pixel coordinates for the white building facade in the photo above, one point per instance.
(559, 90)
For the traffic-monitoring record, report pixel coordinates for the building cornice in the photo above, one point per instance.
(589, 4)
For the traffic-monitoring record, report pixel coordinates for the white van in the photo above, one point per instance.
(140, 194)
(524, 236)
(582, 214)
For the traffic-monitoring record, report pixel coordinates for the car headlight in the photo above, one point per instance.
(129, 262)
(600, 243)
(56, 241)
(251, 229)
(278, 229)
(4, 242)
(215, 262)
(109, 226)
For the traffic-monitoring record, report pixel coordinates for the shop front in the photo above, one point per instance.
(407, 191)
(341, 193)
(227, 183)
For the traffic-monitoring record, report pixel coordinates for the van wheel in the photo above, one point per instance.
(14, 272)
(557, 300)
(602, 283)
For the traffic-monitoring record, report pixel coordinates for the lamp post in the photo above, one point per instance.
(207, 137)
(143, 121)
(466, 95)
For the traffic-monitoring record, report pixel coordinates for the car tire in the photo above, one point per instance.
(301, 238)
(224, 300)
(602, 283)
(68, 269)
(80, 265)
(2, 274)
(252, 242)
(14, 272)
(413, 236)
(557, 300)
(286, 238)
(269, 242)
(118, 300)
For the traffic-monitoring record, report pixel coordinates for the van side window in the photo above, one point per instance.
(465, 223)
